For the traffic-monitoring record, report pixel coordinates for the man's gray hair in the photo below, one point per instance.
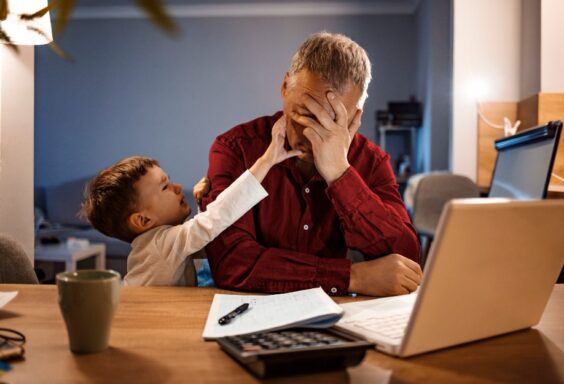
(337, 59)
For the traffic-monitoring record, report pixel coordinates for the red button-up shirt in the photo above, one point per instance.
(298, 236)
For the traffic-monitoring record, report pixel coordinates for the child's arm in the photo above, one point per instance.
(274, 154)
(230, 205)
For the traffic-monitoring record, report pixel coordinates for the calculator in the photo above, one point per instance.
(292, 351)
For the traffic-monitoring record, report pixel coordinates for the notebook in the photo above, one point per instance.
(491, 270)
(307, 308)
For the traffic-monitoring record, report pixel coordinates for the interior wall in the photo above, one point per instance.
(16, 145)
(131, 90)
(434, 87)
(552, 46)
(486, 67)
(530, 48)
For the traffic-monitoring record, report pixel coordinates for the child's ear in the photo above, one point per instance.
(139, 222)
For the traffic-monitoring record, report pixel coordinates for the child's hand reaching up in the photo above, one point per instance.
(275, 153)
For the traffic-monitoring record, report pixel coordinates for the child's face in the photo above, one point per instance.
(161, 199)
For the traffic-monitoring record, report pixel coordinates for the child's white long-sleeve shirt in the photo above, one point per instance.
(161, 256)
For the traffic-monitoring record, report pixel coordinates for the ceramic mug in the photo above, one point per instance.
(88, 300)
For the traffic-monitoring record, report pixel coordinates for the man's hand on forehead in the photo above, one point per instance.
(330, 137)
(330, 116)
(309, 99)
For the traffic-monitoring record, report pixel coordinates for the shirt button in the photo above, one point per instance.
(306, 227)
(333, 290)
(306, 190)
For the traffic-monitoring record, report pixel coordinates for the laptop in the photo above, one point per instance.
(490, 271)
(524, 162)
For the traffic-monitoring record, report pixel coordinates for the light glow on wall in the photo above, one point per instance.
(478, 89)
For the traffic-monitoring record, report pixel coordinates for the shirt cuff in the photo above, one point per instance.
(255, 186)
(333, 275)
(348, 192)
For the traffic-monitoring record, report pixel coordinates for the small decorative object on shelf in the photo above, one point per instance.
(403, 168)
(396, 130)
(401, 114)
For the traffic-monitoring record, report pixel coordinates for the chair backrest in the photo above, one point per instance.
(432, 193)
(15, 266)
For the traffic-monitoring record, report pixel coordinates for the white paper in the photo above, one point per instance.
(271, 312)
(385, 304)
(6, 297)
(359, 313)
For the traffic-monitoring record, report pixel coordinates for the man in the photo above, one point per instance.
(339, 194)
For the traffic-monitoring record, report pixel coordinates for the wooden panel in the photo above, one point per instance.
(494, 112)
(528, 112)
(551, 107)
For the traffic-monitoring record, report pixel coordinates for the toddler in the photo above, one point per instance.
(134, 200)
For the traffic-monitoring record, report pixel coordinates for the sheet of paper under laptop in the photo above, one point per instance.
(361, 317)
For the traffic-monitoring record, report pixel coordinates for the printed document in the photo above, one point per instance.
(306, 308)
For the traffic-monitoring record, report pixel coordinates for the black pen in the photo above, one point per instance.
(237, 311)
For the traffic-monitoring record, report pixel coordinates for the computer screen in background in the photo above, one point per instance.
(524, 162)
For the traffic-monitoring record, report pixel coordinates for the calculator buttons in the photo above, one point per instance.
(298, 350)
(284, 339)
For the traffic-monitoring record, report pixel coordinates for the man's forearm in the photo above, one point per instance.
(374, 223)
(239, 262)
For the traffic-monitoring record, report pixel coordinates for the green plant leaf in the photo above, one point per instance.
(40, 13)
(59, 52)
(3, 9)
(157, 13)
(65, 8)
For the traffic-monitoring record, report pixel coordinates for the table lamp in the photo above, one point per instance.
(22, 31)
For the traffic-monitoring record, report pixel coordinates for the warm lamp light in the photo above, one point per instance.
(478, 88)
(27, 32)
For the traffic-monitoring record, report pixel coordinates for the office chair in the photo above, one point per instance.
(15, 266)
(430, 195)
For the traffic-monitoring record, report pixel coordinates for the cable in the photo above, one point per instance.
(498, 126)
(488, 122)
(559, 178)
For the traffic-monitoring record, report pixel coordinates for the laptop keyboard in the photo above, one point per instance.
(388, 325)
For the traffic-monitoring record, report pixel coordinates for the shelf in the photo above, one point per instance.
(406, 145)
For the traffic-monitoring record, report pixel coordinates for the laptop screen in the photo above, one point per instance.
(524, 163)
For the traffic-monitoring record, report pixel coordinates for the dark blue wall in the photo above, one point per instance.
(434, 83)
(132, 90)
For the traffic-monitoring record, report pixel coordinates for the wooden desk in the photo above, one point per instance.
(156, 338)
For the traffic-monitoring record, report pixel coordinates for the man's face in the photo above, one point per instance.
(160, 198)
(293, 90)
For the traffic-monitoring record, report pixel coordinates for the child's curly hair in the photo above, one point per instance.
(110, 197)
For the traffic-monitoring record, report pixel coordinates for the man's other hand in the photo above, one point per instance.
(201, 189)
(390, 275)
